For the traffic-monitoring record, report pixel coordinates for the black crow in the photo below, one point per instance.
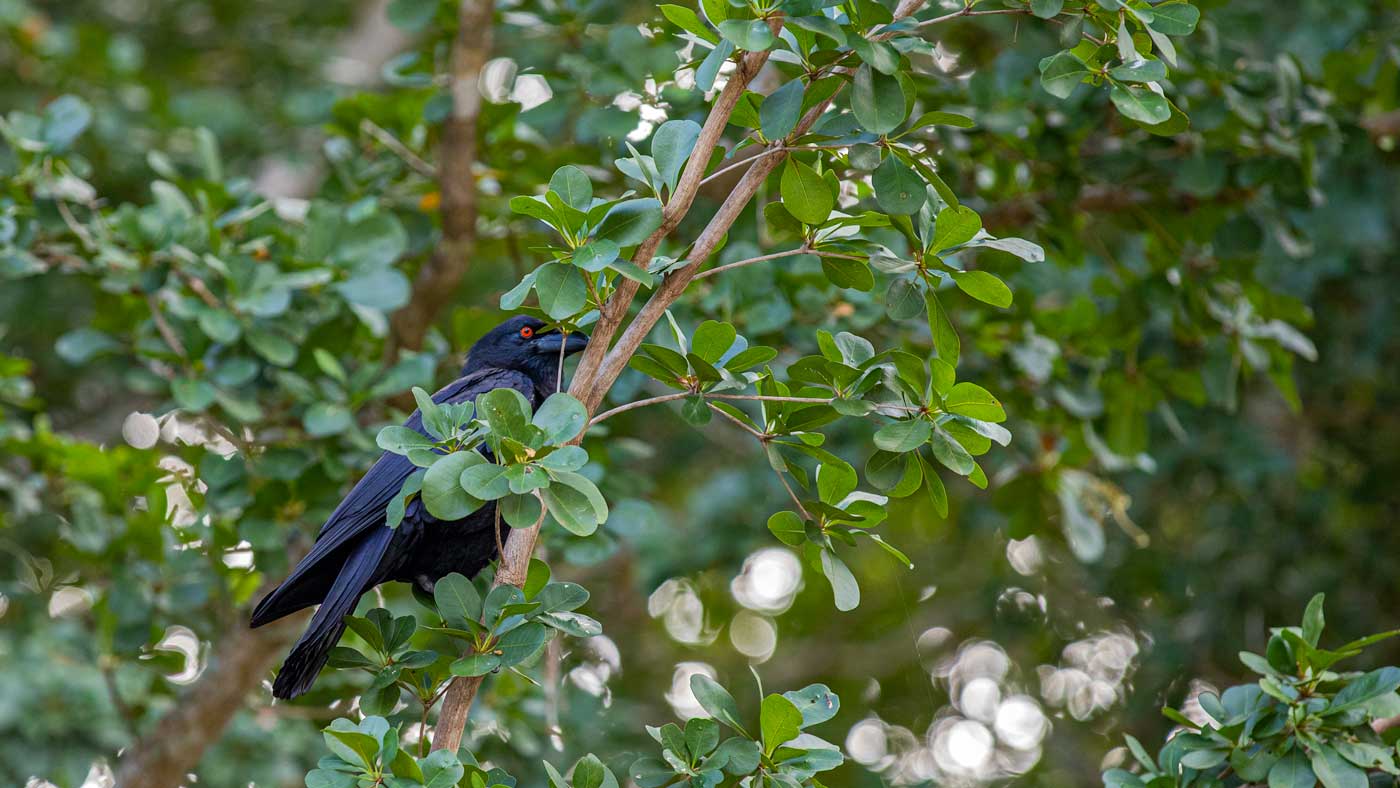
(355, 550)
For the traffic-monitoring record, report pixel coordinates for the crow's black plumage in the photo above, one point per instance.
(355, 551)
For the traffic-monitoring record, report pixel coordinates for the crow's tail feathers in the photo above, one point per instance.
(309, 655)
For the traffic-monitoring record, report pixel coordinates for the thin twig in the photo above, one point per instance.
(761, 436)
(792, 493)
(771, 149)
(391, 142)
(641, 403)
(967, 11)
(773, 398)
(166, 332)
(760, 259)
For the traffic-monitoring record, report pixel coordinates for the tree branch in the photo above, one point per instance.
(437, 281)
(760, 259)
(967, 11)
(641, 403)
(614, 311)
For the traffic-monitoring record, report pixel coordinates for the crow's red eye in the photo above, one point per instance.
(527, 332)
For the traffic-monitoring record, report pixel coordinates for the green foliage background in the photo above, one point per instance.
(1212, 337)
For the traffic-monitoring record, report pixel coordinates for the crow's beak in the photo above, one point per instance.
(555, 341)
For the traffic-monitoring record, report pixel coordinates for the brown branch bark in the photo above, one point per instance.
(437, 281)
(614, 311)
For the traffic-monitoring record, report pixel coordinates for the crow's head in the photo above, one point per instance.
(523, 344)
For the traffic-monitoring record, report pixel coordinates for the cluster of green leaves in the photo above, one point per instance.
(1302, 723)
(594, 232)
(369, 753)
(1125, 32)
(234, 291)
(767, 758)
(505, 627)
(535, 469)
(508, 625)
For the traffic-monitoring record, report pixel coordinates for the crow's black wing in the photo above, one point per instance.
(364, 508)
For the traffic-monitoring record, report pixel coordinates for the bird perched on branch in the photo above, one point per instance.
(355, 549)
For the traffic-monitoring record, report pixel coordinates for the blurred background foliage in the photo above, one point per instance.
(1201, 381)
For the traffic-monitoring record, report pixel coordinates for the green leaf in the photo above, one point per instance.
(565, 458)
(573, 187)
(589, 772)
(1175, 19)
(853, 274)
(844, 587)
(441, 769)
(1140, 104)
(576, 503)
(505, 411)
(321, 419)
(752, 35)
(351, 745)
(805, 194)
(671, 146)
(596, 255)
(821, 26)
(1046, 9)
(903, 299)
(65, 119)
(940, 118)
(816, 702)
(945, 337)
(562, 417)
(1335, 771)
(629, 222)
(520, 511)
(1313, 620)
(716, 700)
(898, 189)
(486, 481)
(1292, 771)
(952, 454)
(443, 495)
(561, 290)
(475, 665)
(877, 100)
(937, 493)
(1139, 71)
(83, 344)
(712, 340)
(457, 600)
(398, 505)
(401, 440)
(984, 287)
(781, 110)
(522, 642)
(1371, 685)
(709, 68)
(701, 736)
(881, 56)
(788, 528)
(779, 721)
(1061, 73)
(689, 21)
(973, 401)
(956, 225)
(571, 508)
(902, 436)
(195, 394)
